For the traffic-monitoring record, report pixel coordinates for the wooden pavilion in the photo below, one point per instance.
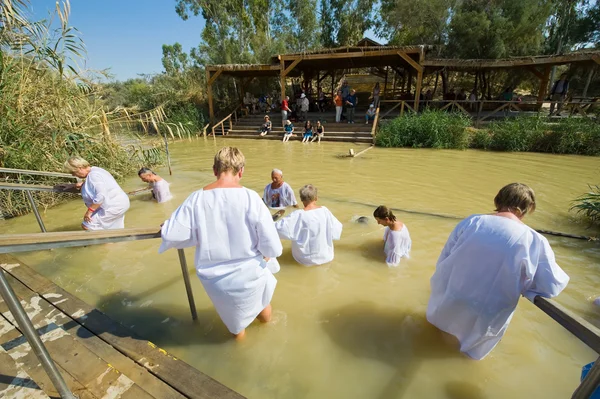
(370, 54)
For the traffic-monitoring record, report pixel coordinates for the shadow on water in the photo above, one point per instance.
(163, 325)
(396, 337)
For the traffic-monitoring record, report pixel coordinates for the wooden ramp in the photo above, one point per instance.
(98, 357)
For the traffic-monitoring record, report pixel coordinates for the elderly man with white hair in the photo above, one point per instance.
(311, 230)
(279, 194)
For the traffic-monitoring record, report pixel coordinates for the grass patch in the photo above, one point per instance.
(588, 205)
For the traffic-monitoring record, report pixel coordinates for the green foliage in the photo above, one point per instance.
(438, 129)
(589, 204)
(431, 129)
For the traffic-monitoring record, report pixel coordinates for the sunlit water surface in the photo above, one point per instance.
(353, 328)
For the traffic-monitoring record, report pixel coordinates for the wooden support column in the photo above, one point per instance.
(418, 89)
(284, 72)
(384, 97)
(544, 84)
(211, 110)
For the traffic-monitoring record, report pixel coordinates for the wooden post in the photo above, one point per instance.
(211, 110)
(282, 79)
(587, 83)
(385, 83)
(332, 84)
(543, 85)
(418, 90)
(394, 84)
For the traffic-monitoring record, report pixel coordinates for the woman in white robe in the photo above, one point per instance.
(311, 230)
(488, 262)
(160, 187)
(396, 238)
(105, 199)
(234, 236)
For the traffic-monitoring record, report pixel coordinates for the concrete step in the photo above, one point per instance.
(330, 127)
(349, 139)
(280, 133)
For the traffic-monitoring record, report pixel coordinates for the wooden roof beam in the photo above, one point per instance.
(412, 62)
(351, 54)
(535, 71)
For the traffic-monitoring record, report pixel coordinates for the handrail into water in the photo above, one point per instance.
(581, 329)
(36, 173)
(222, 121)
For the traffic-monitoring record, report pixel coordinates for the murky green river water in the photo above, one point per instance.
(353, 328)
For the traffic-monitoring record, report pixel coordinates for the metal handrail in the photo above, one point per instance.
(36, 173)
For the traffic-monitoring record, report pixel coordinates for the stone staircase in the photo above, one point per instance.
(248, 127)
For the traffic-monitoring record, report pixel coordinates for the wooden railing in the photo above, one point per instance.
(36, 173)
(482, 110)
(228, 118)
(375, 122)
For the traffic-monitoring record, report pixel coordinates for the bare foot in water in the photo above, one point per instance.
(265, 315)
(240, 336)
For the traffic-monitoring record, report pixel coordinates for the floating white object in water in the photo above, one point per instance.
(351, 152)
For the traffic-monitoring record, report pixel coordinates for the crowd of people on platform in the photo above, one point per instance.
(487, 264)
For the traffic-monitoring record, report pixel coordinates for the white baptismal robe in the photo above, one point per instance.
(232, 230)
(312, 234)
(161, 191)
(487, 264)
(397, 245)
(279, 198)
(100, 187)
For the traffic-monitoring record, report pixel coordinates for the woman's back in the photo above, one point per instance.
(227, 226)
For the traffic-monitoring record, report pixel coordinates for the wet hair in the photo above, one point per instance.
(144, 171)
(308, 193)
(517, 198)
(383, 212)
(73, 164)
(229, 159)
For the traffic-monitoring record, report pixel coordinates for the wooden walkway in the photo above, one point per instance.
(98, 357)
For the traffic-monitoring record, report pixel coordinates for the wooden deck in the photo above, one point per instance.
(98, 357)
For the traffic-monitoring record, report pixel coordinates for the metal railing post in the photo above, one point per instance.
(35, 211)
(33, 338)
(188, 285)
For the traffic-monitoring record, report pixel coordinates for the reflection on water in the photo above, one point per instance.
(353, 328)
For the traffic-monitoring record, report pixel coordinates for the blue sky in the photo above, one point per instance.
(127, 35)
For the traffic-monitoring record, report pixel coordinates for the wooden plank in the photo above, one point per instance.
(101, 349)
(412, 62)
(185, 379)
(586, 332)
(596, 58)
(352, 54)
(282, 81)
(515, 62)
(289, 68)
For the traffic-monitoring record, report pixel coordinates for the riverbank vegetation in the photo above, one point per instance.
(588, 205)
(439, 129)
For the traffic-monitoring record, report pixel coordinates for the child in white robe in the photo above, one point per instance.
(396, 237)
(488, 262)
(236, 243)
(311, 230)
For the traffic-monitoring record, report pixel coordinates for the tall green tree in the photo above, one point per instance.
(174, 59)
